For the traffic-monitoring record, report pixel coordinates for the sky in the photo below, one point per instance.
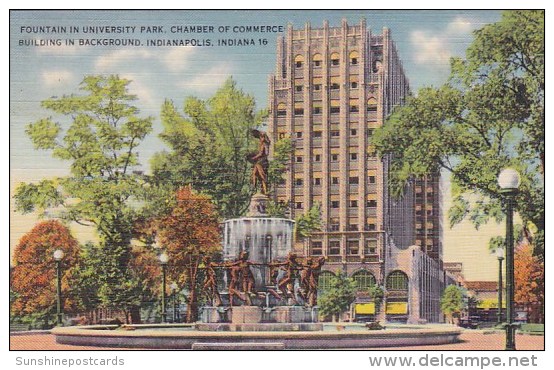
(425, 41)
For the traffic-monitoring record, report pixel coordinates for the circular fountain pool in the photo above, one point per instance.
(185, 336)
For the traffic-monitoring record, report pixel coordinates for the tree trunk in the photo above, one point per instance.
(135, 315)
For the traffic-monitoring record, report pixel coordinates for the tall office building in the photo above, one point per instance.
(331, 88)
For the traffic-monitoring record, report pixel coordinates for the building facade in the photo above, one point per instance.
(331, 88)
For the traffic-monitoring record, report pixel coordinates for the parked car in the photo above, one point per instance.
(469, 322)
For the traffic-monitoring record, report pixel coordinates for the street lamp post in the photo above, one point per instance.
(508, 180)
(58, 256)
(174, 289)
(500, 256)
(163, 261)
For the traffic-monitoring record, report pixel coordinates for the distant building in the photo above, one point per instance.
(331, 88)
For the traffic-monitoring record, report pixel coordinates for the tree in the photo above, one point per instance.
(488, 116)
(102, 189)
(188, 234)
(529, 277)
(209, 147)
(452, 302)
(308, 223)
(34, 272)
(337, 299)
(377, 293)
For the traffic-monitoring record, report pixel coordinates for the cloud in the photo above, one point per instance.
(430, 49)
(459, 26)
(57, 78)
(116, 58)
(177, 57)
(210, 79)
(136, 87)
(436, 47)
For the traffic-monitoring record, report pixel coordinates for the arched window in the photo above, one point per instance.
(397, 280)
(364, 280)
(298, 61)
(353, 56)
(335, 58)
(317, 59)
(324, 281)
(372, 104)
(281, 109)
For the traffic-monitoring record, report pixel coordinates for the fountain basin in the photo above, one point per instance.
(183, 336)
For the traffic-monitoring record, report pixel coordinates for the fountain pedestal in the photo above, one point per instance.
(246, 315)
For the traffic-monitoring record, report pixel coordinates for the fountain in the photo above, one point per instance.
(261, 296)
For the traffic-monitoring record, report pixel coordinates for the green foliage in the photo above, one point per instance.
(377, 293)
(452, 300)
(339, 296)
(102, 189)
(309, 222)
(489, 116)
(277, 209)
(279, 164)
(209, 145)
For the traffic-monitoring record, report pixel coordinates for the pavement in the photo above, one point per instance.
(469, 340)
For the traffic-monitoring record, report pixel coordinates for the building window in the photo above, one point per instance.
(317, 87)
(353, 57)
(299, 159)
(353, 156)
(369, 131)
(371, 227)
(317, 134)
(334, 157)
(334, 247)
(317, 58)
(299, 61)
(353, 85)
(317, 110)
(298, 111)
(334, 180)
(370, 247)
(317, 158)
(364, 280)
(353, 132)
(353, 227)
(317, 181)
(317, 249)
(335, 133)
(371, 179)
(335, 110)
(298, 134)
(372, 203)
(298, 182)
(352, 247)
(353, 180)
(354, 109)
(397, 280)
(335, 86)
(353, 204)
(281, 110)
(298, 88)
(335, 62)
(335, 204)
(324, 281)
(334, 224)
(298, 205)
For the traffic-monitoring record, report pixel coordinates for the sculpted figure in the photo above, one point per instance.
(210, 283)
(242, 281)
(260, 161)
(291, 266)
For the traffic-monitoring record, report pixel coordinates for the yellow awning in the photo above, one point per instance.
(365, 308)
(397, 308)
(490, 303)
